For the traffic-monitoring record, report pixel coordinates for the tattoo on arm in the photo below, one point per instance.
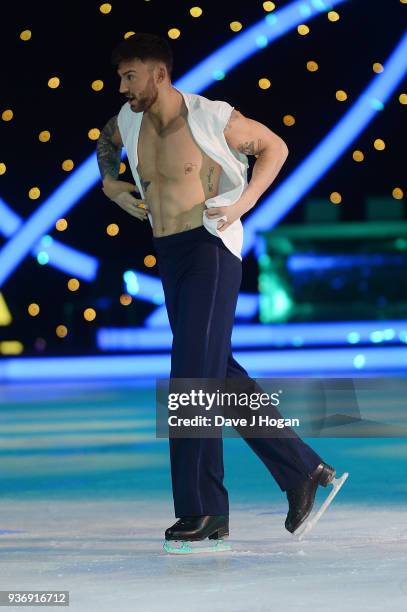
(250, 148)
(210, 178)
(108, 154)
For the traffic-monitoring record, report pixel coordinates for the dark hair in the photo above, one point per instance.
(144, 47)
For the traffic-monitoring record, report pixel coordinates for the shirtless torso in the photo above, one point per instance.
(176, 175)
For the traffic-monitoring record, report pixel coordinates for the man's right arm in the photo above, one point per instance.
(108, 150)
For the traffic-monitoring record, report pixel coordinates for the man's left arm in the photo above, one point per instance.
(252, 138)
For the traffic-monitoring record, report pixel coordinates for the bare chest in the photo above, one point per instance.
(172, 154)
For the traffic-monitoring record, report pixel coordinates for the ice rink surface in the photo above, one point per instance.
(86, 498)
(108, 555)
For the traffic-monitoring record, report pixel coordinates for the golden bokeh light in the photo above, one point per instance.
(61, 331)
(25, 35)
(97, 85)
(269, 6)
(94, 134)
(196, 11)
(105, 8)
(61, 225)
(3, 168)
(378, 67)
(397, 193)
(303, 29)
(128, 34)
(34, 193)
(149, 261)
(235, 26)
(112, 229)
(358, 155)
(44, 136)
(33, 309)
(125, 299)
(288, 120)
(73, 284)
(11, 347)
(264, 83)
(174, 33)
(312, 66)
(335, 197)
(403, 98)
(54, 82)
(7, 115)
(89, 314)
(67, 165)
(122, 168)
(333, 16)
(379, 144)
(341, 95)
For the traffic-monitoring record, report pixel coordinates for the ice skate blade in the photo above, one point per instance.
(185, 547)
(337, 483)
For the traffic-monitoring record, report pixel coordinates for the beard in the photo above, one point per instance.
(146, 99)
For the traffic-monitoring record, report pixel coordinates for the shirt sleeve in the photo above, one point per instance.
(124, 121)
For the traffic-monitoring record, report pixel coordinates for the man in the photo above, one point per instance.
(188, 156)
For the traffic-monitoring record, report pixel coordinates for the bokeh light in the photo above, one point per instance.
(358, 156)
(269, 6)
(288, 120)
(67, 165)
(61, 331)
(112, 229)
(174, 33)
(97, 85)
(44, 136)
(312, 66)
(235, 26)
(61, 225)
(379, 144)
(73, 284)
(333, 16)
(397, 193)
(335, 197)
(7, 114)
(125, 299)
(94, 134)
(149, 261)
(33, 309)
(195, 11)
(34, 193)
(341, 95)
(303, 29)
(89, 314)
(105, 8)
(54, 82)
(25, 35)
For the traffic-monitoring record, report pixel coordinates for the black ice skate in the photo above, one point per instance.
(195, 529)
(301, 499)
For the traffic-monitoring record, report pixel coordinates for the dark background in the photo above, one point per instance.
(74, 41)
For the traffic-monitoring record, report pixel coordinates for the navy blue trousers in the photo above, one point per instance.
(201, 281)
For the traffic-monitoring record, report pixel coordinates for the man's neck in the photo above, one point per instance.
(166, 109)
